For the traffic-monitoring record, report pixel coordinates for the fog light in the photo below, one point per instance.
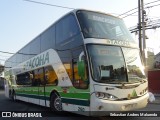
(100, 107)
(123, 107)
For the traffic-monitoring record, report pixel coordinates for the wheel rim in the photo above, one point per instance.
(58, 104)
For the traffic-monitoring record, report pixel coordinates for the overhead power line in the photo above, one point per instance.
(137, 8)
(2, 60)
(153, 24)
(152, 2)
(42, 3)
(127, 12)
(153, 6)
(137, 11)
(4, 56)
(130, 14)
(6, 52)
(16, 53)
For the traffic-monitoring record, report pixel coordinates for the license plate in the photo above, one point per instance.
(129, 106)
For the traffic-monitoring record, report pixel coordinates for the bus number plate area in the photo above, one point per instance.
(129, 106)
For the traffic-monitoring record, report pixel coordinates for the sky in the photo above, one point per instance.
(22, 21)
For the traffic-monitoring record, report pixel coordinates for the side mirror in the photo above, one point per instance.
(81, 66)
(81, 69)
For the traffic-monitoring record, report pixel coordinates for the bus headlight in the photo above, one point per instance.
(101, 95)
(110, 97)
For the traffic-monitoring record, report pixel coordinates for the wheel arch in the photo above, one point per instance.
(54, 92)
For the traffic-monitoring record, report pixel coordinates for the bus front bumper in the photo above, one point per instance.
(101, 107)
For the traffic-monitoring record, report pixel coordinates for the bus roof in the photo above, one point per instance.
(72, 11)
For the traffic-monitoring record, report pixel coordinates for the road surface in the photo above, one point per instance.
(9, 105)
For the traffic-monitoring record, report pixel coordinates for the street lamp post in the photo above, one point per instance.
(139, 26)
(141, 29)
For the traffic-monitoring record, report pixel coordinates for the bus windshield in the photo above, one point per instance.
(114, 64)
(98, 25)
(135, 69)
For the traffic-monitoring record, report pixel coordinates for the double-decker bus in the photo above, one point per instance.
(86, 62)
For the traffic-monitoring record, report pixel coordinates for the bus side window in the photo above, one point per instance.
(39, 77)
(66, 28)
(27, 79)
(31, 76)
(23, 79)
(50, 76)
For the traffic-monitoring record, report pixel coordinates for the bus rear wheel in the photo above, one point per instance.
(55, 103)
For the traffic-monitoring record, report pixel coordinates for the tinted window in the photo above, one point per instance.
(7, 64)
(34, 47)
(66, 28)
(135, 68)
(98, 25)
(66, 60)
(23, 79)
(19, 58)
(48, 39)
(50, 76)
(107, 63)
(13, 61)
(77, 80)
(25, 53)
(38, 77)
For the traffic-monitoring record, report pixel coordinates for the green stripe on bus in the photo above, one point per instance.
(76, 101)
(67, 95)
(64, 100)
(33, 96)
(75, 95)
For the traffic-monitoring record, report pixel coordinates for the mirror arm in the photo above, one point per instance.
(80, 56)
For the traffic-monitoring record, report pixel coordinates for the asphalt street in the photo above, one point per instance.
(7, 105)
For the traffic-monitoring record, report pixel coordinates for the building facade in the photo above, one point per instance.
(157, 61)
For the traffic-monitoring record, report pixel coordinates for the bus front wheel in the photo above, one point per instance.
(55, 103)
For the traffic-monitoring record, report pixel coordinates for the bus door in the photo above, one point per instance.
(23, 89)
(80, 81)
(50, 82)
(41, 87)
(33, 90)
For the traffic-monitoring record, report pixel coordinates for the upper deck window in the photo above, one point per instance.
(98, 25)
(66, 28)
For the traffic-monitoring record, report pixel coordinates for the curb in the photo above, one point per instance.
(154, 103)
(157, 95)
(157, 100)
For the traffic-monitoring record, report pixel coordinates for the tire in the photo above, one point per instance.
(55, 103)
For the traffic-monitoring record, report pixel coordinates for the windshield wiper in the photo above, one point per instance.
(110, 80)
(121, 82)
